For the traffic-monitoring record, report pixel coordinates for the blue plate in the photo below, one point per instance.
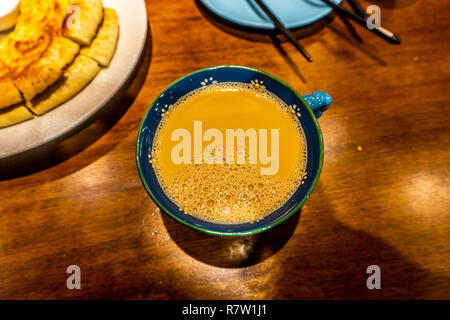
(292, 13)
(310, 107)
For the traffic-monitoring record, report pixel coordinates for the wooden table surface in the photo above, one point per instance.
(383, 197)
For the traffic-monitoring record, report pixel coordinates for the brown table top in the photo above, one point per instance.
(383, 197)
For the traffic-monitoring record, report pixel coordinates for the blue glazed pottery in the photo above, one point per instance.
(311, 107)
(292, 13)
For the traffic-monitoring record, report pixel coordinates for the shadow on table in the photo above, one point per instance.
(231, 252)
(260, 35)
(326, 259)
(331, 260)
(369, 51)
(74, 142)
(352, 36)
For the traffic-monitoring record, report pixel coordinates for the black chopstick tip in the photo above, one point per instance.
(389, 36)
(396, 40)
(305, 54)
(361, 20)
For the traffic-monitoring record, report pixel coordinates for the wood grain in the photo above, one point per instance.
(388, 204)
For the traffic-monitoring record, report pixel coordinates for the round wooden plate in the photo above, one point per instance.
(74, 113)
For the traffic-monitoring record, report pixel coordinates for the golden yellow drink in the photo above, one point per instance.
(229, 153)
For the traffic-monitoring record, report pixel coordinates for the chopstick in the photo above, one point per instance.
(284, 30)
(382, 32)
(358, 8)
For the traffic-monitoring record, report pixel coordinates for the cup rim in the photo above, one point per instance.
(233, 233)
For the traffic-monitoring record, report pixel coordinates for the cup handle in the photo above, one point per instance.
(318, 102)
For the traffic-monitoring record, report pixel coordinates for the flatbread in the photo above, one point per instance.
(39, 66)
(75, 78)
(14, 115)
(9, 94)
(39, 22)
(48, 69)
(104, 44)
(84, 17)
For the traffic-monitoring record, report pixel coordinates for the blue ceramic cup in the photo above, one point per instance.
(311, 107)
